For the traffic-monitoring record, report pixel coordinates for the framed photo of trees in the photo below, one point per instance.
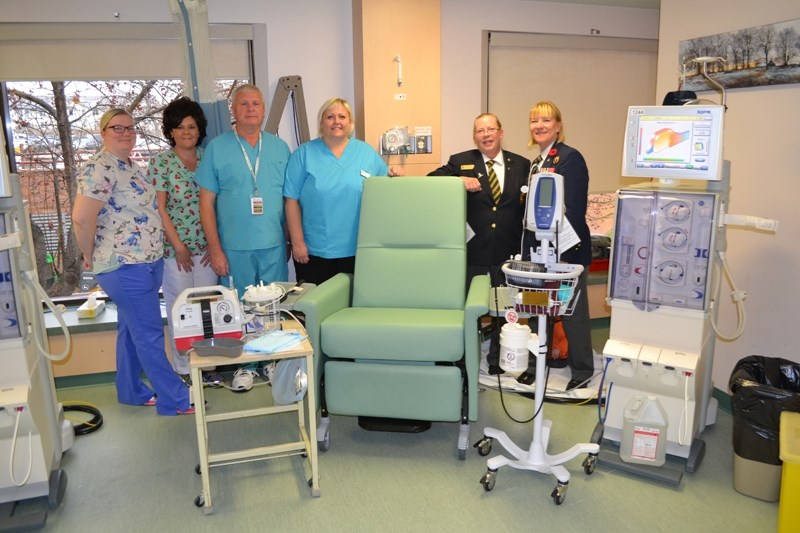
(761, 55)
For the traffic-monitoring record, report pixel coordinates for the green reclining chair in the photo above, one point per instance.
(397, 343)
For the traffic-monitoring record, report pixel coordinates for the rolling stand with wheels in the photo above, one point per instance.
(543, 294)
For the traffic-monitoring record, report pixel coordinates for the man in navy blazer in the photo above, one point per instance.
(497, 225)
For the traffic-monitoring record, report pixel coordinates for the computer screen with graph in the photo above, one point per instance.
(674, 142)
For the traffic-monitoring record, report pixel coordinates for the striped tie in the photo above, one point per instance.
(535, 165)
(493, 183)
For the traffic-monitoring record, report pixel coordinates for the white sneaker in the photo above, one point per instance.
(243, 380)
(269, 371)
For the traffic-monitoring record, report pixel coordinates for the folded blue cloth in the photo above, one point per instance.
(274, 341)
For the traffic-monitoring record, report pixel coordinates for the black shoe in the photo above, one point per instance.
(495, 370)
(575, 384)
(526, 378)
(212, 378)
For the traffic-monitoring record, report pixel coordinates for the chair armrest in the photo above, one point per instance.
(318, 304)
(476, 306)
(477, 299)
(322, 301)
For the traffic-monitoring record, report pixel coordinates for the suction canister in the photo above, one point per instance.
(514, 347)
(644, 431)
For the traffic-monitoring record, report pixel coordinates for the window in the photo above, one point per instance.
(91, 67)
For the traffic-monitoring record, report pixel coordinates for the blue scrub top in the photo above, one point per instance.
(329, 192)
(223, 171)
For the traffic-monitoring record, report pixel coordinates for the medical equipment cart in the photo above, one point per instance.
(304, 446)
(543, 287)
(539, 293)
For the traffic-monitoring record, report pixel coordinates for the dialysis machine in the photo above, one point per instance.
(33, 431)
(669, 242)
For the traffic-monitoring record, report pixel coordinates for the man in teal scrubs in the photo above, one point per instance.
(241, 199)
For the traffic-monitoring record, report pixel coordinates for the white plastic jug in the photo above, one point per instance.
(514, 347)
(644, 431)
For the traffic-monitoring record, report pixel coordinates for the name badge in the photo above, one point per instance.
(467, 167)
(256, 205)
(364, 174)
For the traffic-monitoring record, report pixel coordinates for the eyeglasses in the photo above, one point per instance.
(122, 129)
(484, 131)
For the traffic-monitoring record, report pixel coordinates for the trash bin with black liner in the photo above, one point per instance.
(762, 387)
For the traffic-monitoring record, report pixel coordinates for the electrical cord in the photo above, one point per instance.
(14, 440)
(503, 403)
(36, 317)
(737, 295)
(85, 426)
(601, 415)
(683, 425)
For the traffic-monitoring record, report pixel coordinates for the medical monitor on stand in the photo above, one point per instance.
(674, 142)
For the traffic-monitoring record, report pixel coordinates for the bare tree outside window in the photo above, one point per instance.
(55, 129)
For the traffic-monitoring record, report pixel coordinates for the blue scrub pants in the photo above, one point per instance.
(140, 338)
(249, 267)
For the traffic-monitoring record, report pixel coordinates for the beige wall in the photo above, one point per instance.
(761, 141)
(375, 47)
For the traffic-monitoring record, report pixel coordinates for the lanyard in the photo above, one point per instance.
(253, 170)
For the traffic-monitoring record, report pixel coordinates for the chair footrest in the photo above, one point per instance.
(394, 425)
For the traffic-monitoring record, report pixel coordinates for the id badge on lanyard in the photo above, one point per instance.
(256, 200)
(256, 205)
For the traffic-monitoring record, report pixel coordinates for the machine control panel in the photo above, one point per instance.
(663, 247)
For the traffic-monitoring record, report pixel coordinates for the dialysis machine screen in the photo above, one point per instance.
(673, 142)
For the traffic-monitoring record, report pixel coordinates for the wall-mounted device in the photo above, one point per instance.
(398, 141)
(395, 141)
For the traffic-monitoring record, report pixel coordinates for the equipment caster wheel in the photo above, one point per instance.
(199, 501)
(488, 480)
(559, 494)
(197, 469)
(590, 463)
(484, 446)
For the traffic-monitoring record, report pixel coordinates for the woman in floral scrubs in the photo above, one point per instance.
(186, 262)
(119, 231)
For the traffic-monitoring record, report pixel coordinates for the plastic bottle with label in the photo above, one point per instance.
(514, 347)
(644, 431)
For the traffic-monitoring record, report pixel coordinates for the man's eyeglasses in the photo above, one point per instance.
(483, 131)
(122, 129)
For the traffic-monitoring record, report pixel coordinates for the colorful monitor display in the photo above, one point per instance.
(674, 142)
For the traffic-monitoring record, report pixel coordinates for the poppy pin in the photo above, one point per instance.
(552, 152)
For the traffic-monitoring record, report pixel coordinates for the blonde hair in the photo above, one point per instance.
(111, 113)
(331, 102)
(546, 108)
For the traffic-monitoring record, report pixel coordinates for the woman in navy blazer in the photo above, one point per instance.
(547, 131)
